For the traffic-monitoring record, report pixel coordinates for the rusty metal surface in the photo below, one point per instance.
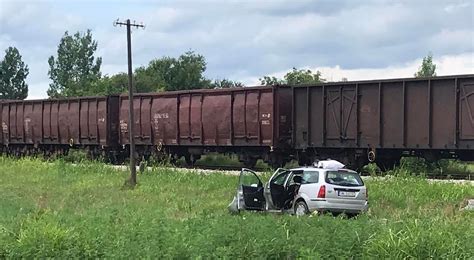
(413, 113)
(75, 121)
(222, 117)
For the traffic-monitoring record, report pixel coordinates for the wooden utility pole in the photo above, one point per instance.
(133, 170)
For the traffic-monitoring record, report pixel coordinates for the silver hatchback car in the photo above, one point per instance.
(302, 191)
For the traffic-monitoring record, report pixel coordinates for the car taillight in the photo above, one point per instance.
(322, 192)
(366, 193)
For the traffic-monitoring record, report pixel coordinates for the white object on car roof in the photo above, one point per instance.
(330, 164)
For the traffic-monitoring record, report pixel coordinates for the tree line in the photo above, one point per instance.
(75, 71)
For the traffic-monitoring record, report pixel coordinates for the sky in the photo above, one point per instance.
(245, 40)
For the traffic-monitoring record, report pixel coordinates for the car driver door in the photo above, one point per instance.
(252, 190)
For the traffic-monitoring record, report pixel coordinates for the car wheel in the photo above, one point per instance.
(301, 208)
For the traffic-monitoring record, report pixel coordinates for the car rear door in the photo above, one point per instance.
(344, 187)
(252, 190)
(277, 188)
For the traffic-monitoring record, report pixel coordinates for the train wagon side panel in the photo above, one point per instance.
(113, 124)
(54, 121)
(427, 113)
(190, 119)
(142, 117)
(102, 122)
(368, 112)
(164, 119)
(443, 114)
(252, 117)
(465, 91)
(3, 125)
(216, 120)
(282, 116)
(32, 122)
(266, 121)
(16, 123)
(210, 118)
(124, 106)
(64, 122)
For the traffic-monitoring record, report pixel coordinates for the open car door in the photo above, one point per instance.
(277, 188)
(251, 191)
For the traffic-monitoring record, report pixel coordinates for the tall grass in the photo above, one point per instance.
(413, 166)
(80, 211)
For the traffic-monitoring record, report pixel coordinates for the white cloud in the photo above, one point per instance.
(445, 65)
(244, 40)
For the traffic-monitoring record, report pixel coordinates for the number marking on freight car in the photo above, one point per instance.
(266, 115)
(4, 128)
(161, 116)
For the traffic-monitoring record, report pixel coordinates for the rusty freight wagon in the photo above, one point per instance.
(54, 125)
(383, 120)
(253, 122)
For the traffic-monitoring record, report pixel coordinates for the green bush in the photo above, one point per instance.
(76, 156)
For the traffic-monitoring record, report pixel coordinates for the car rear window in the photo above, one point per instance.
(343, 178)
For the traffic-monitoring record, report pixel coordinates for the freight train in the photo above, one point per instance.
(355, 122)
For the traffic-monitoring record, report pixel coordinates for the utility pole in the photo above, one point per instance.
(133, 170)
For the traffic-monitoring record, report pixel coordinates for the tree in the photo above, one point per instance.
(146, 81)
(116, 84)
(427, 68)
(13, 73)
(225, 83)
(75, 71)
(293, 77)
(303, 76)
(165, 74)
(270, 80)
(186, 72)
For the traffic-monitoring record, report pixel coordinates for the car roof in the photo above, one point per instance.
(306, 168)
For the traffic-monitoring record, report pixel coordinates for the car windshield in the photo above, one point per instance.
(310, 177)
(344, 178)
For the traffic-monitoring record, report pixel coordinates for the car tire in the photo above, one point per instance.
(301, 208)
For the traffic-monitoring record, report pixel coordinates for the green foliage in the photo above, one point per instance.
(76, 156)
(270, 81)
(303, 76)
(294, 77)
(109, 85)
(427, 68)
(60, 210)
(163, 74)
(75, 71)
(185, 72)
(13, 73)
(225, 83)
(413, 166)
(146, 81)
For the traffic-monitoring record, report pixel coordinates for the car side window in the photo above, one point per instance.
(280, 179)
(249, 179)
(310, 177)
(294, 173)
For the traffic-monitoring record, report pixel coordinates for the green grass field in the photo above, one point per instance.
(61, 210)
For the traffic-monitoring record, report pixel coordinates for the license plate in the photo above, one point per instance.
(347, 194)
